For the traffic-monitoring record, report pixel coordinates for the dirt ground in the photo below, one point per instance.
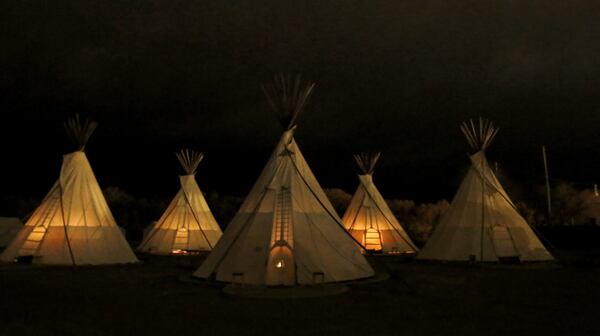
(418, 299)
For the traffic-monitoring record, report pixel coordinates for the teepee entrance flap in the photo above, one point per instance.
(504, 246)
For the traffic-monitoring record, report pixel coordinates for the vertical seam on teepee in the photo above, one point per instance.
(62, 211)
(388, 220)
(328, 242)
(356, 215)
(156, 227)
(187, 201)
(252, 216)
(374, 218)
(482, 210)
(324, 207)
(512, 205)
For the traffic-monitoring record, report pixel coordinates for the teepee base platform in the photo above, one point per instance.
(28, 259)
(401, 257)
(297, 292)
(492, 264)
(300, 292)
(378, 277)
(173, 256)
(200, 282)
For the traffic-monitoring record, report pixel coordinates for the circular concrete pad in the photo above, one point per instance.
(378, 277)
(296, 292)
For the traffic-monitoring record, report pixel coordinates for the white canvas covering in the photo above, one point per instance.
(187, 224)
(482, 222)
(9, 227)
(286, 232)
(73, 225)
(371, 222)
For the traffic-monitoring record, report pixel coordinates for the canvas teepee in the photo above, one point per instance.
(286, 232)
(187, 225)
(368, 217)
(482, 223)
(73, 225)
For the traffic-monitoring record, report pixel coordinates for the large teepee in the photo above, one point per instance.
(368, 217)
(286, 233)
(73, 225)
(482, 223)
(187, 225)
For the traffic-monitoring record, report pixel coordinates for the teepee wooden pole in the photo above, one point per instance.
(287, 95)
(64, 222)
(547, 176)
(482, 209)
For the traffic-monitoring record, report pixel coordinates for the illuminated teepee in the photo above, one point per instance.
(286, 232)
(482, 223)
(187, 225)
(73, 225)
(368, 217)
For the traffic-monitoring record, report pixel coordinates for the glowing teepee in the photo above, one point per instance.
(368, 217)
(73, 225)
(286, 233)
(482, 223)
(187, 225)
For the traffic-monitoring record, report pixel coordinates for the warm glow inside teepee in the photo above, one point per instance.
(187, 226)
(369, 219)
(372, 239)
(73, 225)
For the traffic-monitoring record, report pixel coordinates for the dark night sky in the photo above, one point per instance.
(391, 75)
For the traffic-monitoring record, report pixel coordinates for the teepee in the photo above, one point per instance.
(368, 217)
(187, 226)
(482, 223)
(73, 225)
(286, 232)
